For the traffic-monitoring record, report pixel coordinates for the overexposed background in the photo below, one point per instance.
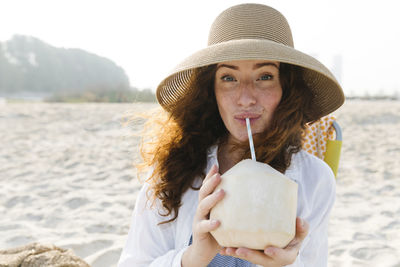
(358, 40)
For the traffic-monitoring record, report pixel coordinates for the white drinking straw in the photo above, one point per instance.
(253, 154)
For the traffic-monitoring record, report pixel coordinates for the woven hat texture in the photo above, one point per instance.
(253, 31)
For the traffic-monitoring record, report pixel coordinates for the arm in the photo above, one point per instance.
(204, 246)
(314, 251)
(149, 244)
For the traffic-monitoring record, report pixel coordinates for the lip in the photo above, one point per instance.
(241, 118)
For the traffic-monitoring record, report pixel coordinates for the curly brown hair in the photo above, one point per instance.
(178, 147)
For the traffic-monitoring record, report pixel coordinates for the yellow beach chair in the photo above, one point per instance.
(323, 139)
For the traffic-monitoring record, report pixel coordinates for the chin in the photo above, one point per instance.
(241, 137)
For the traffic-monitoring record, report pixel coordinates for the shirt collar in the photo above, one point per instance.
(212, 157)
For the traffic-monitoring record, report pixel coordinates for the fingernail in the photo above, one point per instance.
(269, 251)
(302, 222)
(229, 251)
(214, 222)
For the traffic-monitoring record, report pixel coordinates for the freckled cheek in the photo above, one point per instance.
(222, 106)
(272, 101)
(226, 112)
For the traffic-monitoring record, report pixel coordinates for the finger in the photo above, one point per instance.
(289, 253)
(301, 233)
(211, 172)
(229, 251)
(206, 226)
(254, 256)
(301, 229)
(209, 186)
(281, 255)
(209, 202)
(223, 251)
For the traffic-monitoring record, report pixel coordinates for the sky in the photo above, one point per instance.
(359, 40)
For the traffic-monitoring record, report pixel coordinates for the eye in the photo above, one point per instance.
(266, 77)
(228, 78)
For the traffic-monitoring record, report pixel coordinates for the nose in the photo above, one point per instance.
(246, 94)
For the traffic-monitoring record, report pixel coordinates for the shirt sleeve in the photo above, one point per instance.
(150, 244)
(318, 192)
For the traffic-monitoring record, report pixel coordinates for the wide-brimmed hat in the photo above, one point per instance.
(253, 31)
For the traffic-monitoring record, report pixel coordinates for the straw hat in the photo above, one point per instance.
(253, 31)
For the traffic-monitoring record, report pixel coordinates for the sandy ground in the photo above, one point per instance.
(66, 177)
(365, 222)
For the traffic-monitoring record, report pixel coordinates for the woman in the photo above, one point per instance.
(249, 70)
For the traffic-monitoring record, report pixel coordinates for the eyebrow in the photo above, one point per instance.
(256, 66)
(227, 66)
(259, 65)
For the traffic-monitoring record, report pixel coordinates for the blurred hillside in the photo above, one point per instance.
(31, 67)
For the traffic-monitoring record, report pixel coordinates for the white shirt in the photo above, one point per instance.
(150, 244)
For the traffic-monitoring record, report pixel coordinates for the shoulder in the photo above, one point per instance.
(146, 201)
(309, 161)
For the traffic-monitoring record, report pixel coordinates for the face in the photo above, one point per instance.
(247, 89)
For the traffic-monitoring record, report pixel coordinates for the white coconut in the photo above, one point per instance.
(259, 207)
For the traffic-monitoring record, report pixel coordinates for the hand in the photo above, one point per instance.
(272, 256)
(204, 247)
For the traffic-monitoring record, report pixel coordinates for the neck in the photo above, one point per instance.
(227, 157)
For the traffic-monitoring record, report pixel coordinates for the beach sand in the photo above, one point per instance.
(67, 178)
(365, 221)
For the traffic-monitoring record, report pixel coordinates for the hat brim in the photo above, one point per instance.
(328, 94)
